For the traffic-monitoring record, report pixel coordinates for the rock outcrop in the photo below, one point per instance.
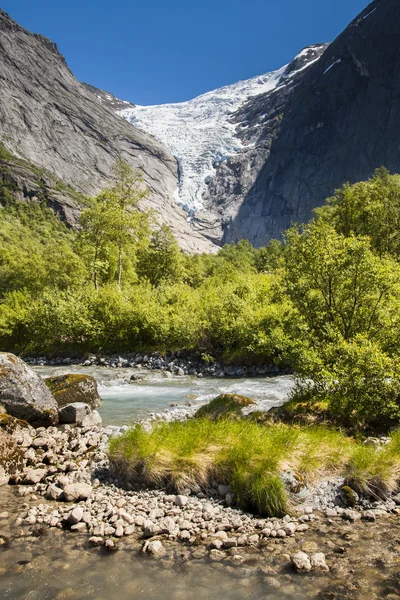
(59, 141)
(23, 394)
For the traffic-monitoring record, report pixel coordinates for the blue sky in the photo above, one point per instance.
(157, 51)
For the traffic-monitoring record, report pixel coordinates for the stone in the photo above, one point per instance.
(24, 394)
(96, 540)
(75, 516)
(93, 419)
(54, 492)
(301, 562)
(181, 500)
(33, 476)
(73, 413)
(348, 496)
(289, 528)
(74, 492)
(318, 562)
(155, 548)
(11, 458)
(74, 389)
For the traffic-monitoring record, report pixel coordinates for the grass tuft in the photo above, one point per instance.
(250, 458)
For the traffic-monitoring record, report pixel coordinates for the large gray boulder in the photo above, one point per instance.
(11, 457)
(24, 394)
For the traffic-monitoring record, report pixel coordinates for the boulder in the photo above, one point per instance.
(23, 394)
(11, 457)
(224, 406)
(73, 492)
(71, 388)
(74, 413)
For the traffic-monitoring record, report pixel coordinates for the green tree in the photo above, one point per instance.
(370, 208)
(161, 259)
(113, 221)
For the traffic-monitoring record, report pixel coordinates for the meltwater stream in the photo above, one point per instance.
(125, 401)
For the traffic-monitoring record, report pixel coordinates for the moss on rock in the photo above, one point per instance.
(71, 388)
(224, 406)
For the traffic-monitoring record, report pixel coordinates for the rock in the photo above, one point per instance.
(75, 516)
(289, 528)
(73, 413)
(11, 457)
(74, 492)
(217, 555)
(181, 500)
(33, 476)
(225, 405)
(155, 548)
(53, 492)
(348, 496)
(318, 562)
(73, 389)
(301, 562)
(96, 540)
(93, 419)
(24, 394)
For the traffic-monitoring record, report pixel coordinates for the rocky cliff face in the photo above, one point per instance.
(338, 123)
(55, 134)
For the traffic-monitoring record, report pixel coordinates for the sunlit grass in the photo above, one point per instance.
(250, 457)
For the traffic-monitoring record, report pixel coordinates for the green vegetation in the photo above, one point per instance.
(325, 302)
(250, 458)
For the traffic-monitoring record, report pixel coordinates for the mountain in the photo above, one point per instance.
(339, 124)
(256, 156)
(59, 141)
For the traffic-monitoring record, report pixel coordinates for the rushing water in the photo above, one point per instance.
(125, 401)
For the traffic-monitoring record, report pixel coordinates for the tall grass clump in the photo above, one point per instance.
(251, 458)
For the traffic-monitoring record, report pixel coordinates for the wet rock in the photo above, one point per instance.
(318, 562)
(154, 548)
(24, 394)
(96, 540)
(301, 562)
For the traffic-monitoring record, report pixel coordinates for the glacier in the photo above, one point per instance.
(200, 132)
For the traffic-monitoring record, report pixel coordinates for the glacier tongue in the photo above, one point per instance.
(198, 132)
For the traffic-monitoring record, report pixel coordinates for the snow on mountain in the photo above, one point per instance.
(199, 132)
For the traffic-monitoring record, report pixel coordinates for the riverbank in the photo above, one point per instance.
(69, 497)
(171, 363)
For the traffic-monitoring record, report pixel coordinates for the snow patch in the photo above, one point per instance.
(331, 66)
(370, 13)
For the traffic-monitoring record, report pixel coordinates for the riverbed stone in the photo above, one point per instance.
(75, 516)
(301, 562)
(318, 562)
(93, 419)
(23, 393)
